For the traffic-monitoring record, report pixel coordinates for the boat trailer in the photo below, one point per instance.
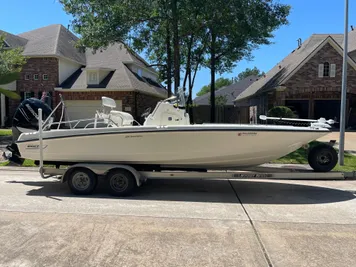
(123, 179)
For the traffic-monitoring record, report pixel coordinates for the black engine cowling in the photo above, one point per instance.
(26, 116)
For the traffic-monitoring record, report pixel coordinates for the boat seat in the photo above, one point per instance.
(121, 118)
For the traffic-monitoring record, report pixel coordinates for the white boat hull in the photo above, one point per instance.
(188, 146)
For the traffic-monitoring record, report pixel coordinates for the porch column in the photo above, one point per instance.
(3, 110)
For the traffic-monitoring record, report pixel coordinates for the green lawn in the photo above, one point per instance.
(26, 163)
(300, 157)
(5, 132)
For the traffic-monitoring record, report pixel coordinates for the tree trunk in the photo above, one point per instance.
(212, 76)
(175, 45)
(169, 61)
(188, 66)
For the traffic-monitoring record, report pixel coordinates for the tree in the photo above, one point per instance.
(219, 83)
(248, 72)
(210, 33)
(11, 62)
(103, 22)
(234, 29)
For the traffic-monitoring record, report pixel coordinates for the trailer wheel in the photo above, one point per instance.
(82, 181)
(322, 158)
(121, 182)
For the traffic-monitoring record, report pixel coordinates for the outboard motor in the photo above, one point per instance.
(25, 120)
(26, 116)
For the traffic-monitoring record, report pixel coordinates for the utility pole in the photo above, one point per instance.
(344, 88)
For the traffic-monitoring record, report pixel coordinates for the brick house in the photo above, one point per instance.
(308, 80)
(55, 66)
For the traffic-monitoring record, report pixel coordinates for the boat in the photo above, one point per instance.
(166, 139)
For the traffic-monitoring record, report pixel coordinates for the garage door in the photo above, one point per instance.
(85, 109)
(329, 109)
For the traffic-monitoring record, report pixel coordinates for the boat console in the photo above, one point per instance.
(170, 111)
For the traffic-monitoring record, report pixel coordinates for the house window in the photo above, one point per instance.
(45, 77)
(93, 77)
(27, 76)
(326, 72)
(332, 70)
(28, 95)
(35, 77)
(139, 72)
(25, 95)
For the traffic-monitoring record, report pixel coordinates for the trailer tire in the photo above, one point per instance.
(82, 181)
(121, 182)
(322, 158)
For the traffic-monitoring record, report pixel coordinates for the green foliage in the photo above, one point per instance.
(248, 72)
(300, 156)
(281, 112)
(219, 83)
(5, 132)
(239, 27)
(11, 62)
(220, 100)
(211, 33)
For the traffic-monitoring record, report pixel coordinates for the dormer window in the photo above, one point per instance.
(92, 77)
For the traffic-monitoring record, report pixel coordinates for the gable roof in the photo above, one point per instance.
(56, 40)
(352, 41)
(114, 58)
(230, 91)
(52, 40)
(284, 69)
(13, 40)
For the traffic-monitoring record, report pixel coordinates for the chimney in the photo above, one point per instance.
(352, 28)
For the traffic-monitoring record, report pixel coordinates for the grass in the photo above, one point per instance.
(5, 132)
(26, 163)
(300, 157)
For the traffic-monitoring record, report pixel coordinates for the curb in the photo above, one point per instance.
(17, 168)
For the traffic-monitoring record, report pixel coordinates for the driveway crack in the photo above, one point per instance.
(259, 240)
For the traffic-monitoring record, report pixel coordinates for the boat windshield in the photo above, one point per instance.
(181, 97)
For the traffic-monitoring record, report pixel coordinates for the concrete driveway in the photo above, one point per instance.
(350, 140)
(178, 223)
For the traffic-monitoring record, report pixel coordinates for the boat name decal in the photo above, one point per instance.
(133, 136)
(252, 175)
(35, 146)
(247, 134)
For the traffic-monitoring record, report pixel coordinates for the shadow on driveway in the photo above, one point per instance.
(220, 191)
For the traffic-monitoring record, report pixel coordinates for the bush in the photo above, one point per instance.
(281, 111)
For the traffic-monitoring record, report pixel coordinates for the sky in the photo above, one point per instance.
(306, 17)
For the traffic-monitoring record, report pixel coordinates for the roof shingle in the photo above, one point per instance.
(230, 91)
(52, 40)
(13, 40)
(121, 78)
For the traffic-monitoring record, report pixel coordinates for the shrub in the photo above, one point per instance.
(281, 111)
